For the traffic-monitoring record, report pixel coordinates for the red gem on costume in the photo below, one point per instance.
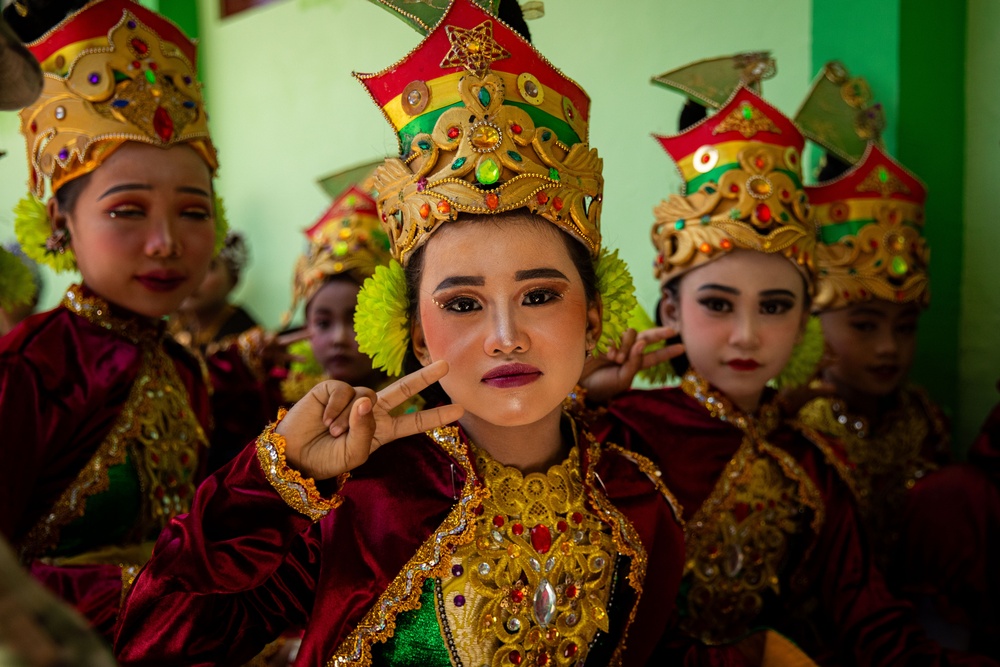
(847, 295)
(561, 526)
(153, 66)
(515, 657)
(492, 200)
(785, 194)
(516, 129)
(517, 528)
(863, 293)
(543, 659)
(570, 650)
(163, 124)
(734, 188)
(725, 244)
(541, 538)
(444, 207)
(498, 521)
(557, 203)
(425, 210)
(517, 595)
(705, 158)
(763, 213)
(140, 46)
(759, 162)
(795, 249)
(577, 518)
(135, 64)
(542, 197)
(479, 510)
(34, 126)
(705, 248)
(571, 591)
(453, 132)
(900, 296)
(873, 243)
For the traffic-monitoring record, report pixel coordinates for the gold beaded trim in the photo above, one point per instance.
(299, 492)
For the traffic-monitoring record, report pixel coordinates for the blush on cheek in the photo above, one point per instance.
(436, 332)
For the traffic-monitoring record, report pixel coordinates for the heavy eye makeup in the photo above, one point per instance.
(537, 294)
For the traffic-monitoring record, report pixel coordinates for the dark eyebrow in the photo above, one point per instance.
(461, 281)
(721, 288)
(123, 187)
(778, 292)
(143, 186)
(530, 274)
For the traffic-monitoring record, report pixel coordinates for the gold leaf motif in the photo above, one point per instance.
(748, 120)
(474, 49)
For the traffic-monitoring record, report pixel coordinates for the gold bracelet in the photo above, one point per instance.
(299, 492)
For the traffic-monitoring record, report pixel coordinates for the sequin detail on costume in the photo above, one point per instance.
(300, 493)
(534, 586)
(156, 429)
(738, 540)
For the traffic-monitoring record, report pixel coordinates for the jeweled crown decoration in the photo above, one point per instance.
(839, 113)
(743, 175)
(347, 238)
(871, 246)
(114, 72)
(485, 125)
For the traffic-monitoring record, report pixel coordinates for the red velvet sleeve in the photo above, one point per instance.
(224, 580)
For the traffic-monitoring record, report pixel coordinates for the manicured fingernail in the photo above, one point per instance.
(336, 430)
(365, 408)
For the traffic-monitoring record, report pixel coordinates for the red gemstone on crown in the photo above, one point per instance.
(163, 124)
(498, 521)
(557, 203)
(140, 46)
(542, 197)
(516, 129)
(763, 213)
(492, 200)
(453, 132)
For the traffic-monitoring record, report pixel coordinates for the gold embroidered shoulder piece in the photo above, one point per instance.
(737, 541)
(433, 559)
(887, 461)
(156, 428)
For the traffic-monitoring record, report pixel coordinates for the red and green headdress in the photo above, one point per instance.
(485, 124)
(743, 189)
(870, 223)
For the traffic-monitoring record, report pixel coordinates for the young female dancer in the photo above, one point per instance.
(493, 530)
(106, 418)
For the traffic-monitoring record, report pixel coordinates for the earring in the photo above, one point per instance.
(57, 242)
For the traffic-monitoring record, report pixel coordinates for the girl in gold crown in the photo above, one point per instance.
(929, 520)
(771, 526)
(105, 418)
(496, 529)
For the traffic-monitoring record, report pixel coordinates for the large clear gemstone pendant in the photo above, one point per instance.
(544, 603)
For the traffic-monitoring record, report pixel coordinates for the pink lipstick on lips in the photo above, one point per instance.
(161, 281)
(511, 375)
(743, 364)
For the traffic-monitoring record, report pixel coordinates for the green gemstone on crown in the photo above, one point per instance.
(457, 164)
(553, 173)
(747, 112)
(488, 172)
(899, 266)
(484, 97)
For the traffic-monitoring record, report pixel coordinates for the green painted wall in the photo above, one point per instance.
(980, 299)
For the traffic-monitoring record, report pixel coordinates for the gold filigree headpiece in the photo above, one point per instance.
(485, 125)
(347, 239)
(114, 72)
(871, 244)
(743, 190)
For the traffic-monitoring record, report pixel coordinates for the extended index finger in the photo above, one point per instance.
(284, 340)
(409, 385)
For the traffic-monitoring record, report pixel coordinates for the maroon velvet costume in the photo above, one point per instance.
(820, 557)
(244, 566)
(65, 379)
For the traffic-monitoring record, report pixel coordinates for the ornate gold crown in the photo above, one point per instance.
(347, 238)
(485, 125)
(871, 243)
(742, 168)
(114, 72)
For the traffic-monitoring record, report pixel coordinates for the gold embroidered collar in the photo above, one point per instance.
(96, 310)
(720, 407)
